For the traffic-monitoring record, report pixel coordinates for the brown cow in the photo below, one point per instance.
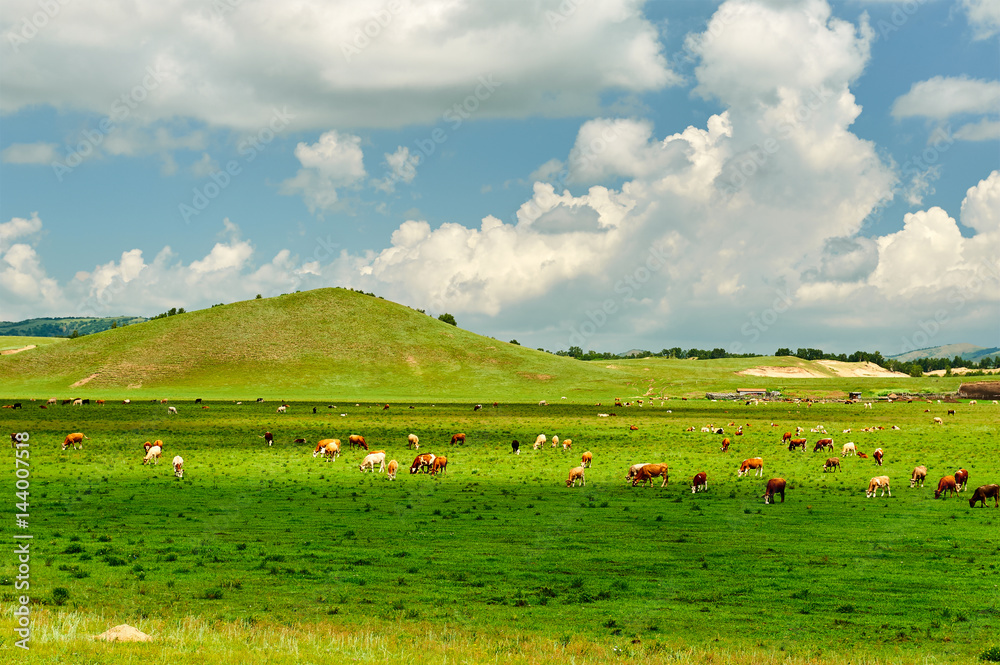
(357, 440)
(797, 443)
(918, 475)
(699, 483)
(440, 465)
(422, 462)
(787, 436)
(586, 459)
(823, 443)
(774, 486)
(832, 463)
(269, 438)
(574, 475)
(650, 471)
(390, 471)
(146, 446)
(984, 492)
(330, 448)
(945, 485)
(961, 479)
(878, 456)
(725, 445)
(752, 464)
(875, 484)
(75, 440)
(458, 438)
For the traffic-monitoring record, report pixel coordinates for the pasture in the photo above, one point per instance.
(267, 554)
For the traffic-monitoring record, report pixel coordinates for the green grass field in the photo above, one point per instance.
(269, 555)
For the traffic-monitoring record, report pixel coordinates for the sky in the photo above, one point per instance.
(613, 174)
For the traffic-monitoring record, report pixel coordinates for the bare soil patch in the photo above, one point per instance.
(9, 352)
(123, 633)
(85, 380)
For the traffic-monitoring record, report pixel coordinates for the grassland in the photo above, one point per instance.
(268, 555)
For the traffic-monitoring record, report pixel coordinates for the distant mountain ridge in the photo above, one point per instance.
(969, 352)
(64, 326)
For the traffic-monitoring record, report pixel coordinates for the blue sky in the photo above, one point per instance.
(744, 174)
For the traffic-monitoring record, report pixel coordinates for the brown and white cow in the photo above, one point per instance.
(787, 436)
(440, 465)
(567, 444)
(823, 443)
(774, 486)
(269, 438)
(725, 445)
(371, 460)
(797, 443)
(752, 464)
(390, 471)
(650, 471)
(357, 440)
(984, 492)
(918, 475)
(458, 438)
(75, 440)
(422, 462)
(575, 474)
(147, 445)
(699, 483)
(178, 466)
(945, 485)
(329, 448)
(832, 463)
(878, 456)
(876, 483)
(586, 459)
(961, 479)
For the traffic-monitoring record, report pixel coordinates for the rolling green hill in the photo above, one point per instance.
(336, 344)
(969, 352)
(64, 327)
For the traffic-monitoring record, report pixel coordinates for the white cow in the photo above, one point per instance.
(178, 466)
(539, 441)
(371, 460)
(153, 454)
(849, 449)
(171, 410)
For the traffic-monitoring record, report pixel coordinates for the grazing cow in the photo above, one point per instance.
(477, 407)
(787, 436)
(823, 443)
(539, 441)
(755, 464)
(282, 408)
(586, 459)
(197, 401)
(269, 438)
(178, 466)
(147, 445)
(423, 462)
(385, 408)
(868, 405)
(862, 456)
(412, 441)
(299, 440)
(574, 475)
(650, 471)
(878, 482)
(878, 456)
(848, 449)
(458, 438)
(938, 421)
(984, 492)
(17, 405)
(171, 410)
(13, 439)
(260, 399)
(390, 471)
(440, 465)
(78, 402)
(946, 484)
(153, 454)
(797, 443)
(634, 469)
(951, 412)
(163, 401)
(371, 460)
(357, 440)
(699, 483)
(515, 447)
(918, 475)
(555, 440)
(567, 444)
(725, 445)
(126, 401)
(330, 448)
(961, 479)
(774, 486)
(75, 440)
(52, 400)
(831, 463)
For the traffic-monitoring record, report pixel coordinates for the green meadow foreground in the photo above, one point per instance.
(270, 555)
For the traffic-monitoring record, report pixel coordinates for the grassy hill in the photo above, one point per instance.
(336, 344)
(64, 327)
(969, 352)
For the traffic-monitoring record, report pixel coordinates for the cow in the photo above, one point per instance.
(299, 440)
(755, 464)
(984, 492)
(16, 405)
(555, 440)
(171, 410)
(567, 444)
(78, 402)
(961, 479)
(153, 454)
(357, 440)
(197, 401)
(412, 441)
(797, 443)
(848, 449)
(945, 485)
(875, 484)
(75, 440)
(832, 463)
(725, 445)
(650, 471)
(390, 471)
(440, 465)
(282, 408)
(371, 460)
(477, 407)
(147, 445)
(774, 486)
(575, 474)
(938, 421)
(126, 401)
(787, 436)
(385, 408)
(878, 456)
(458, 438)
(586, 459)
(424, 462)
(52, 400)
(539, 441)
(861, 455)
(330, 448)
(163, 401)
(14, 439)
(823, 443)
(178, 463)
(918, 475)
(633, 428)
(515, 447)
(951, 412)
(699, 483)
(269, 438)
(634, 469)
